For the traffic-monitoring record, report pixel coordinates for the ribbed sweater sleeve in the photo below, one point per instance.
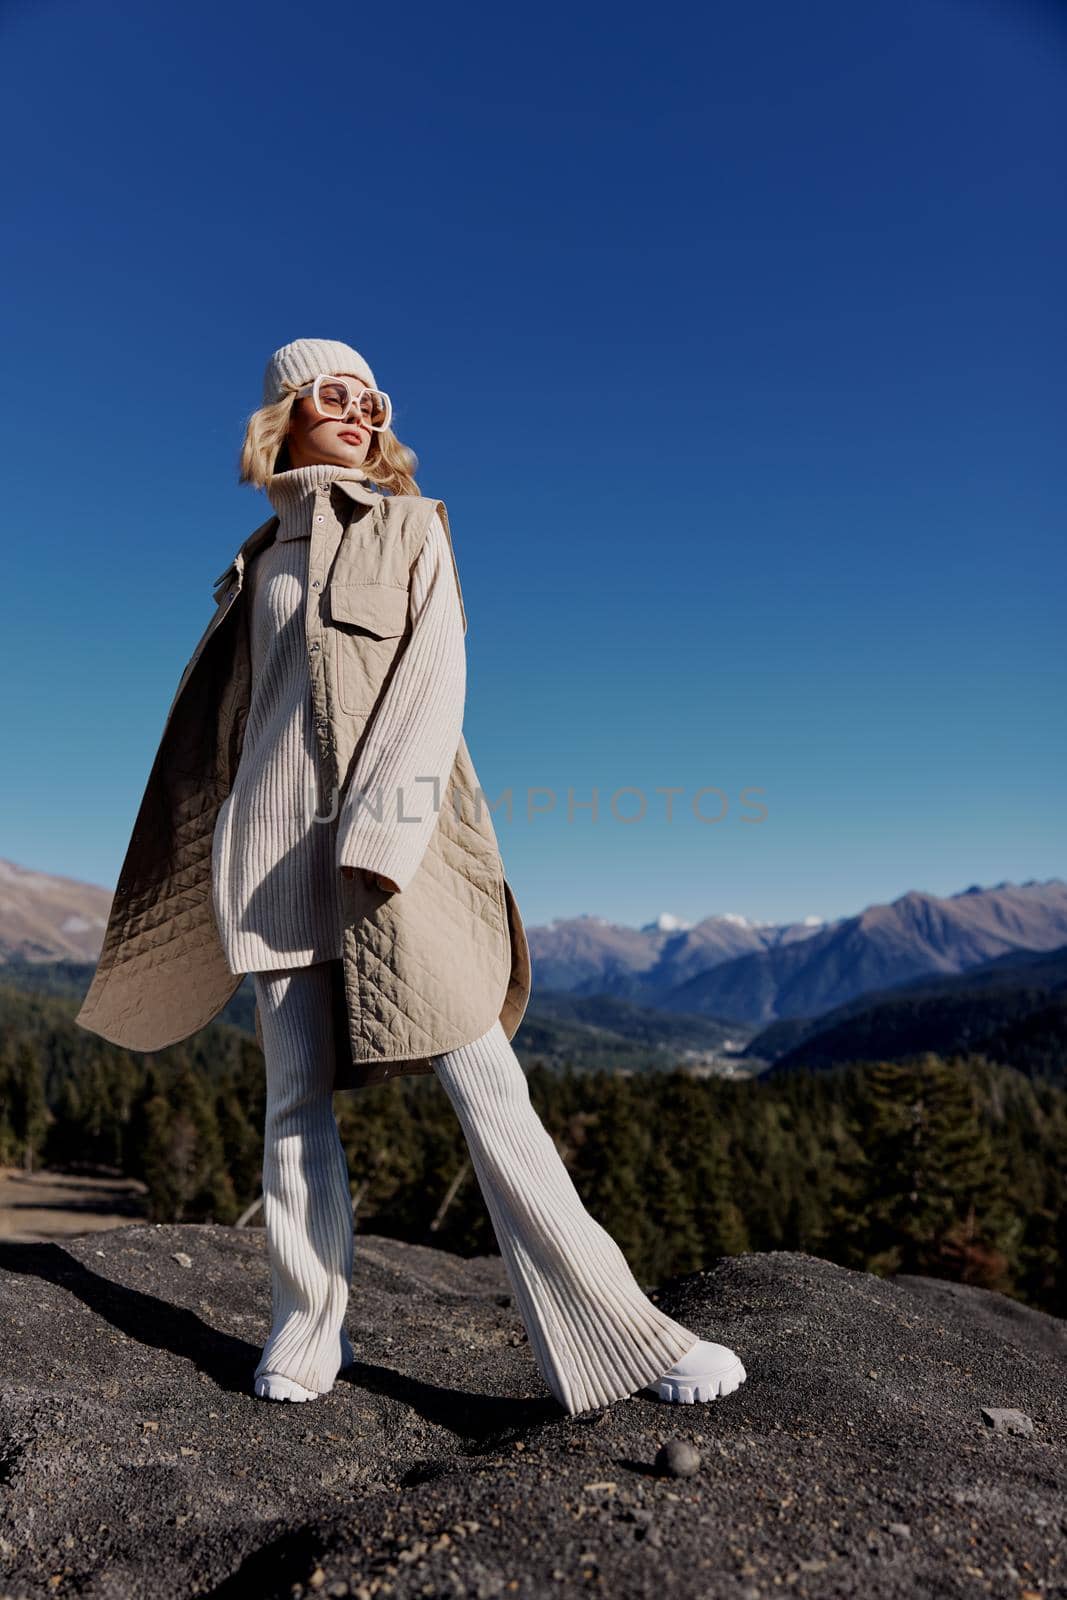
(398, 784)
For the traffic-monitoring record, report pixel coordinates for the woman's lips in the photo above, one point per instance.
(350, 434)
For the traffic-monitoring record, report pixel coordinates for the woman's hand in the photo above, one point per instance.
(376, 880)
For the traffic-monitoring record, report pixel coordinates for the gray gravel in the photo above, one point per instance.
(859, 1458)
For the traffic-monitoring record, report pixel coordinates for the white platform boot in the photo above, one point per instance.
(704, 1373)
(276, 1386)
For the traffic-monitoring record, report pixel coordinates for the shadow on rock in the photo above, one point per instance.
(480, 1422)
(227, 1361)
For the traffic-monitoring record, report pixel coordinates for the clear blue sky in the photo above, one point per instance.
(733, 338)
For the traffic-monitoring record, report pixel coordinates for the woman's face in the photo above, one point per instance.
(343, 441)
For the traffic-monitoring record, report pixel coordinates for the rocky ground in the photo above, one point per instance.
(866, 1455)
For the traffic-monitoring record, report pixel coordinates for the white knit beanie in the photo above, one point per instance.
(304, 359)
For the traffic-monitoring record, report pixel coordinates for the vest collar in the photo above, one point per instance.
(355, 488)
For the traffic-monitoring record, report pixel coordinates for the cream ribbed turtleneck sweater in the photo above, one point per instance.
(275, 870)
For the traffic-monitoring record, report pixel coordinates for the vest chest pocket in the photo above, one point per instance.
(369, 621)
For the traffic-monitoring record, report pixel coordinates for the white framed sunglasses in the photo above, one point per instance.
(332, 397)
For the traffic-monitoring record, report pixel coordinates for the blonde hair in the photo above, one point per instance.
(265, 450)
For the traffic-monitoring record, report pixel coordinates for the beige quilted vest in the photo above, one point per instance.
(424, 970)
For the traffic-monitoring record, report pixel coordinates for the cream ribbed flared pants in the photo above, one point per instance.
(594, 1335)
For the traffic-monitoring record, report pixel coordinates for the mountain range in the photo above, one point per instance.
(725, 968)
(750, 972)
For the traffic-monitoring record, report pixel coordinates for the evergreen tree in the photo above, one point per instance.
(847, 1222)
(675, 1243)
(9, 1143)
(28, 1112)
(935, 1189)
(610, 1167)
(183, 1163)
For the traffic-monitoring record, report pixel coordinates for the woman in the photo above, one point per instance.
(325, 695)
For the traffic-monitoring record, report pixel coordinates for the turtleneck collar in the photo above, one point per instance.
(291, 493)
